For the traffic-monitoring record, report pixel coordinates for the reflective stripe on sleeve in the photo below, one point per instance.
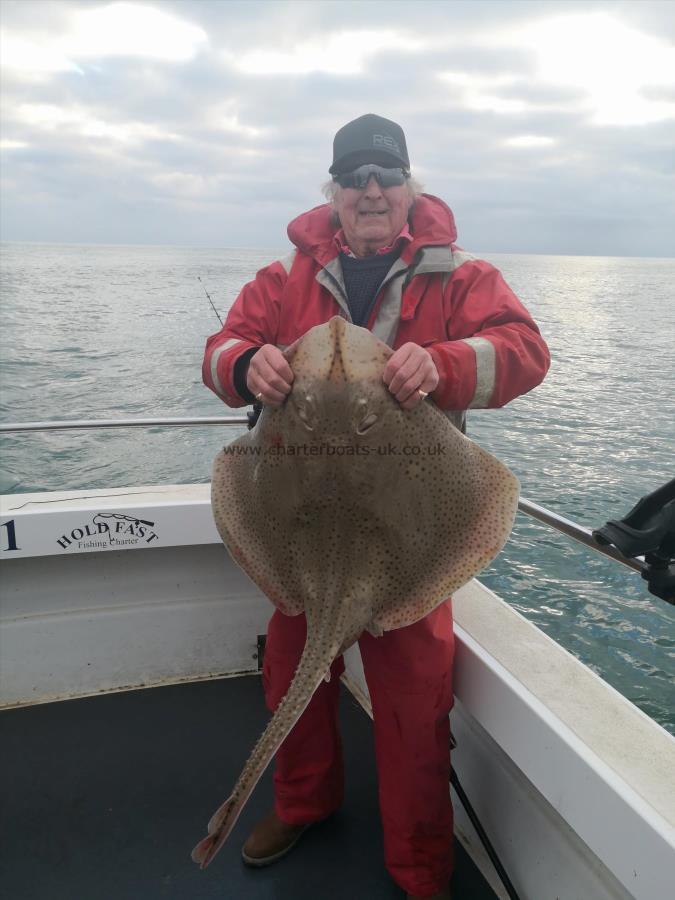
(215, 356)
(486, 367)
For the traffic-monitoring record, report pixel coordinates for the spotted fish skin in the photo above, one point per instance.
(329, 514)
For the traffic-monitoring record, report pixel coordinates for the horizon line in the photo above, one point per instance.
(276, 249)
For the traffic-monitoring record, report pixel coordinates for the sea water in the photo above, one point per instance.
(104, 332)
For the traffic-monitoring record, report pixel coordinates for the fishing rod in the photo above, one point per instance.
(253, 415)
(209, 298)
(482, 834)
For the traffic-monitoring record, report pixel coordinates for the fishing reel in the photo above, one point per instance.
(648, 530)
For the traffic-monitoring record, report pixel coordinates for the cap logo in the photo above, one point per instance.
(385, 142)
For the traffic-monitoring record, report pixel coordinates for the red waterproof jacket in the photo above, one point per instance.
(485, 345)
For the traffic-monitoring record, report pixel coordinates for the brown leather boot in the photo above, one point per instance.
(270, 840)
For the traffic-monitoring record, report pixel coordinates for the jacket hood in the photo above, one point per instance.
(432, 224)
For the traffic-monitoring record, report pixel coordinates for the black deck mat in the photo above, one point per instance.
(104, 797)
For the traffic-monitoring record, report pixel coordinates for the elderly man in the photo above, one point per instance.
(382, 255)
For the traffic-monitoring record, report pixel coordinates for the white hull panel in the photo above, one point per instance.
(112, 621)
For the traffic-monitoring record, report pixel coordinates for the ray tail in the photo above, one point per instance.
(312, 668)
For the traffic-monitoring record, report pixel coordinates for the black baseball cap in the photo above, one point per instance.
(369, 139)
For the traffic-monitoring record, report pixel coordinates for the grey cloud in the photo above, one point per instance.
(598, 190)
(656, 17)
(662, 92)
(36, 16)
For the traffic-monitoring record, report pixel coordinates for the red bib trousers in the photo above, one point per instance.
(409, 676)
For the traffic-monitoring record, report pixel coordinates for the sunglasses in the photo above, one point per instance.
(359, 178)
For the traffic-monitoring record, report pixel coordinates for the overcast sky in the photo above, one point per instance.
(549, 127)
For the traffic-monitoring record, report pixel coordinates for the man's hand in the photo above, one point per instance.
(269, 376)
(410, 370)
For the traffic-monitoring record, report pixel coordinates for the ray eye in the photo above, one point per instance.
(366, 424)
(304, 415)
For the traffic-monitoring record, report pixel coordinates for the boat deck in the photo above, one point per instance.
(106, 796)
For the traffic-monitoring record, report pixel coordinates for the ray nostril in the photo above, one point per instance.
(366, 424)
(305, 415)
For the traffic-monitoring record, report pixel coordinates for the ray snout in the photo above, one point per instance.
(338, 353)
(337, 330)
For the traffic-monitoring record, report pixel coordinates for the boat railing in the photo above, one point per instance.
(545, 516)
